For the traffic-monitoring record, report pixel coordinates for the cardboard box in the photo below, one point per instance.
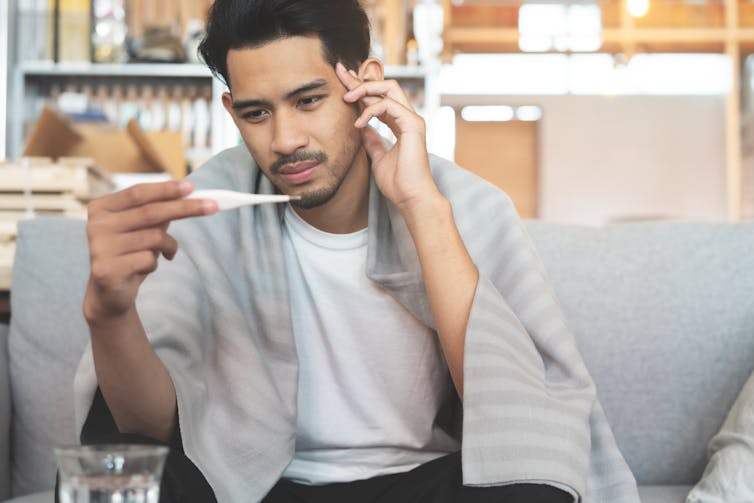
(132, 150)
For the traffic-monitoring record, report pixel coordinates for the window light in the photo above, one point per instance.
(546, 27)
(529, 113)
(487, 113)
(638, 8)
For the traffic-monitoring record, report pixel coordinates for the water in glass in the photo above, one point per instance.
(110, 489)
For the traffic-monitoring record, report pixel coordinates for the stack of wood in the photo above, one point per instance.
(36, 186)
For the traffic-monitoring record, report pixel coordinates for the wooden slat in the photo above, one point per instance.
(8, 228)
(467, 35)
(7, 251)
(43, 202)
(83, 182)
(664, 35)
(486, 15)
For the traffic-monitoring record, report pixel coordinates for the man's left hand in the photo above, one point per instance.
(401, 172)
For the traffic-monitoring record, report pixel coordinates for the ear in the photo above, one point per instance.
(227, 100)
(371, 69)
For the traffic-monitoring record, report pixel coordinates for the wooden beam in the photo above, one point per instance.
(733, 152)
(623, 35)
(482, 35)
(447, 20)
(394, 37)
(626, 30)
(664, 35)
(629, 37)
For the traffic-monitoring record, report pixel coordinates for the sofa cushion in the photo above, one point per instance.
(5, 414)
(729, 475)
(47, 337)
(664, 317)
(663, 314)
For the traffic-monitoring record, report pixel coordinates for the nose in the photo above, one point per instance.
(288, 133)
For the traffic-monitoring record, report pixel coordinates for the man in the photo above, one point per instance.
(321, 351)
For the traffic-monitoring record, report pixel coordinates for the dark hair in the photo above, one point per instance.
(341, 25)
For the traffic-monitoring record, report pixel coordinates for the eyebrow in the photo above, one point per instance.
(311, 86)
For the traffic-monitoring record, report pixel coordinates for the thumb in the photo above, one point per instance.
(373, 143)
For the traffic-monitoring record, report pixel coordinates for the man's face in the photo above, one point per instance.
(288, 105)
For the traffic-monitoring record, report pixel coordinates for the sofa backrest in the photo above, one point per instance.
(664, 317)
(47, 337)
(663, 312)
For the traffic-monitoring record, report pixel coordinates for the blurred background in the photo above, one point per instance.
(585, 112)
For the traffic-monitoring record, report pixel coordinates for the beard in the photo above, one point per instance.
(337, 173)
(316, 198)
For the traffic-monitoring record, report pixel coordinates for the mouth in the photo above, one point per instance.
(299, 172)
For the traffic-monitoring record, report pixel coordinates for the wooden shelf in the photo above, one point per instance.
(30, 79)
(44, 68)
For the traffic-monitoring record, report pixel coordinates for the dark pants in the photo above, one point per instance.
(438, 481)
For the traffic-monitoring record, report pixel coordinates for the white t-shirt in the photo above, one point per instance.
(371, 376)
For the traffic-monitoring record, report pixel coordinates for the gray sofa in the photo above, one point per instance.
(664, 315)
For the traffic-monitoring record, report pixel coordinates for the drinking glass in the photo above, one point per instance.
(110, 473)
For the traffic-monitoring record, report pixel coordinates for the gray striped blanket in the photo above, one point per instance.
(218, 317)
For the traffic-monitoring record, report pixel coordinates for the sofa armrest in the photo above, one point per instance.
(47, 337)
(5, 414)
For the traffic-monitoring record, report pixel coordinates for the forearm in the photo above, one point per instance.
(404, 176)
(449, 274)
(134, 381)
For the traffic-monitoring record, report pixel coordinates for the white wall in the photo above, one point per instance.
(606, 158)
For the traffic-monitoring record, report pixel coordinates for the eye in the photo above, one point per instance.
(255, 116)
(309, 102)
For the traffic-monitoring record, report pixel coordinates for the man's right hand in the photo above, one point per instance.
(127, 233)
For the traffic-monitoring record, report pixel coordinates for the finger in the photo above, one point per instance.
(398, 118)
(372, 142)
(154, 239)
(144, 193)
(378, 89)
(348, 78)
(158, 214)
(114, 273)
(351, 81)
(143, 262)
(169, 247)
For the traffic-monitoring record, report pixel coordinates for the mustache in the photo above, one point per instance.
(319, 157)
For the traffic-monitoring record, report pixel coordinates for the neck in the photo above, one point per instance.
(347, 211)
